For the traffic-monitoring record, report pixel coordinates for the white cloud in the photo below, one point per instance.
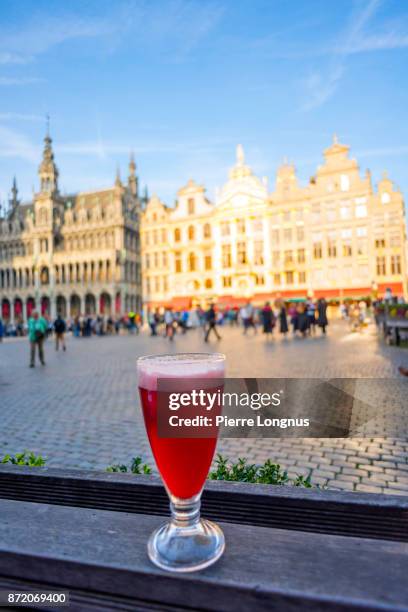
(321, 85)
(14, 58)
(9, 81)
(15, 144)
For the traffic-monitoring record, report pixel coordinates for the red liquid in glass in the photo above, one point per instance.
(182, 462)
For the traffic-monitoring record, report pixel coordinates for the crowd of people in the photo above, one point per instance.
(302, 318)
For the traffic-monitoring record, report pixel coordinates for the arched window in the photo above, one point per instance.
(44, 276)
(191, 232)
(192, 262)
(208, 283)
(177, 235)
(207, 230)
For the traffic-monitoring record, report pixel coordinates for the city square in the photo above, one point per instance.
(82, 409)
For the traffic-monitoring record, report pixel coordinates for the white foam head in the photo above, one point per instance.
(182, 365)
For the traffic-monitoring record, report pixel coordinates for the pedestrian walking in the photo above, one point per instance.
(37, 330)
(322, 320)
(283, 320)
(169, 323)
(60, 329)
(311, 317)
(1, 330)
(211, 317)
(268, 319)
(247, 316)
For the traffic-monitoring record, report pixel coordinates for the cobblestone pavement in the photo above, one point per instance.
(82, 410)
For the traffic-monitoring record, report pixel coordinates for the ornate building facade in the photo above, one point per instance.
(74, 254)
(336, 237)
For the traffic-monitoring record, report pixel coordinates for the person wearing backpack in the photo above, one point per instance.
(59, 329)
(37, 329)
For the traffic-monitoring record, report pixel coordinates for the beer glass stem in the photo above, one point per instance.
(185, 512)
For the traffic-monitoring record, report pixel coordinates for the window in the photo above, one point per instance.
(225, 228)
(155, 236)
(241, 226)
(208, 283)
(362, 246)
(259, 279)
(163, 235)
(227, 281)
(192, 262)
(276, 279)
(258, 253)
(301, 255)
(361, 211)
(226, 256)
(164, 259)
(299, 215)
(157, 284)
(177, 262)
(385, 198)
(317, 250)
(302, 277)
(147, 261)
(395, 264)
(177, 234)
(241, 253)
(275, 236)
(207, 230)
(289, 278)
(156, 260)
(380, 243)
(287, 235)
(381, 268)
(276, 258)
(344, 182)
(286, 216)
(191, 206)
(331, 245)
(207, 261)
(191, 233)
(345, 211)
(300, 234)
(288, 257)
(361, 231)
(347, 248)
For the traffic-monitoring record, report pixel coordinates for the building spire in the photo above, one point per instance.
(132, 180)
(335, 139)
(240, 155)
(118, 182)
(48, 170)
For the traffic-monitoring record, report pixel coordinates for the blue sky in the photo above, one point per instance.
(181, 82)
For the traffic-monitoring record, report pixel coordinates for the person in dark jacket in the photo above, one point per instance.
(303, 323)
(211, 318)
(60, 329)
(283, 320)
(268, 319)
(322, 314)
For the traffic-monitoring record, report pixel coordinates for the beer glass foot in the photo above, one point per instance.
(186, 549)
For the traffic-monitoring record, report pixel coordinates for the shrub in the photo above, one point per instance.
(136, 467)
(268, 473)
(25, 458)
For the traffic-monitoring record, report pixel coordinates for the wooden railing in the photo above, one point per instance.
(287, 548)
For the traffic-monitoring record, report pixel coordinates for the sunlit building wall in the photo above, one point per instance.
(337, 237)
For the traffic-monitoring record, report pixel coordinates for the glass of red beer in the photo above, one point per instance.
(187, 542)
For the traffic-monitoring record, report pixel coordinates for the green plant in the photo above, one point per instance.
(136, 467)
(268, 473)
(25, 458)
